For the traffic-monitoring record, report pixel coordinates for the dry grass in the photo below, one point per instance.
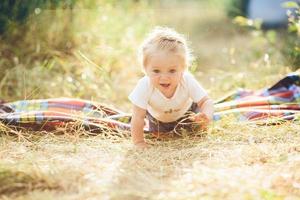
(233, 161)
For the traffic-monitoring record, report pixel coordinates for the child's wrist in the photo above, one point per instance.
(139, 142)
(208, 115)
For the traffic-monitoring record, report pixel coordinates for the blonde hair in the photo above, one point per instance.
(167, 39)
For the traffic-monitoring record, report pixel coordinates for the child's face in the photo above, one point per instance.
(165, 70)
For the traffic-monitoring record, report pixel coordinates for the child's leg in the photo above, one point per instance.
(156, 126)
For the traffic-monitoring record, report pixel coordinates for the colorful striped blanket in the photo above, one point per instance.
(278, 103)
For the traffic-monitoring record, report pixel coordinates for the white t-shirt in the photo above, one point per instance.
(166, 109)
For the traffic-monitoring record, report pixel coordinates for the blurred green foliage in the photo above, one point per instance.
(287, 41)
(89, 51)
(76, 52)
(292, 49)
(17, 11)
(236, 8)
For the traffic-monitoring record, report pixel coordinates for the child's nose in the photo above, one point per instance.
(165, 76)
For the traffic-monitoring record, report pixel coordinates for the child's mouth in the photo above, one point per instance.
(165, 85)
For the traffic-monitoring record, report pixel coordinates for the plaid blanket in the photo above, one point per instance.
(278, 103)
(275, 104)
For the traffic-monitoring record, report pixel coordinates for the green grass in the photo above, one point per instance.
(96, 60)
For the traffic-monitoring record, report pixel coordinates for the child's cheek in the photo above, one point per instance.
(154, 80)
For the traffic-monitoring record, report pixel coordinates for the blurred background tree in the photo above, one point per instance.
(52, 48)
(292, 49)
(271, 17)
(15, 12)
(237, 8)
(87, 48)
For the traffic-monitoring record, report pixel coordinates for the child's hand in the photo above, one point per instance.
(201, 118)
(141, 145)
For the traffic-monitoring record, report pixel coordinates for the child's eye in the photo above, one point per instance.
(156, 71)
(172, 71)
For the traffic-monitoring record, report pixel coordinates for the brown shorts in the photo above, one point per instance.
(181, 123)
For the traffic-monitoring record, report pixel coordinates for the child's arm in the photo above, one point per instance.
(206, 106)
(205, 116)
(137, 126)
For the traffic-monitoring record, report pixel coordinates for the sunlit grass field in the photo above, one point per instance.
(90, 53)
